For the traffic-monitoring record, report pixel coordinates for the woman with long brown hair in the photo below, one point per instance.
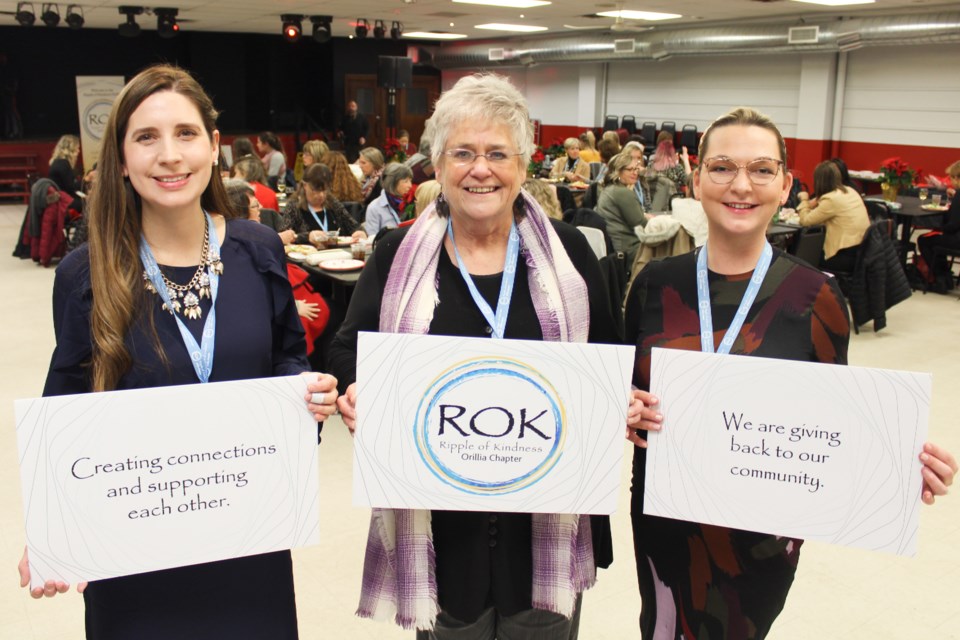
(343, 185)
(167, 269)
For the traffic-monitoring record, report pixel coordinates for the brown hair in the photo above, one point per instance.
(343, 184)
(953, 170)
(114, 219)
(251, 169)
(827, 178)
(318, 177)
(745, 117)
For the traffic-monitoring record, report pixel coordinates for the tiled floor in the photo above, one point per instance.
(839, 593)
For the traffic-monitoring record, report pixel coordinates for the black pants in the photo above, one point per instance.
(927, 244)
(843, 261)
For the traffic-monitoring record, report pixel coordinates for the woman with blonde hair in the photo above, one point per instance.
(588, 147)
(427, 193)
(570, 167)
(63, 164)
(735, 295)
(546, 195)
(314, 151)
(371, 162)
(173, 289)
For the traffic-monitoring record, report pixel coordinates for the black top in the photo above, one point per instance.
(353, 128)
(301, 220)
(258, 335)
(482, 559)
(951, 219)
(62, 173)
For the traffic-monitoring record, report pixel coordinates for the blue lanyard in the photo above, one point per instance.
(323, 224)
(498, 321)
(703, 298)
(639, 191)
(200, 355)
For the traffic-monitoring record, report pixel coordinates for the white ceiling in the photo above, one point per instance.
(257, 16)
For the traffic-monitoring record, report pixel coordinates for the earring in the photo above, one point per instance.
(442, 207)
(216, 162)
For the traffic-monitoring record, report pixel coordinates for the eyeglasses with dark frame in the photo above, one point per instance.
(464, 157)
(761, 171)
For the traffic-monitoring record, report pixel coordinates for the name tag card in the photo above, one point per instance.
(126, 482)
(804, 450)
(474, 424)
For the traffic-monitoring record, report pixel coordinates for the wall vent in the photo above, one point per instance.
(803, 35)
(496, 54)
(624, 46)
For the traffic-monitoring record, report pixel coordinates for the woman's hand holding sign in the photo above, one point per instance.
(641, 414)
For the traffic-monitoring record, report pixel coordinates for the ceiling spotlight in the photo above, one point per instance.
(379, 30)
(322, 30)
(396, 30)
(75, 16)
(167, 26)
(25, 15)
(130, 28)
(292, 26)
(50, 15)
(362, 28)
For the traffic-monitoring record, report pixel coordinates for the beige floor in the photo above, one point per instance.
(839, 593)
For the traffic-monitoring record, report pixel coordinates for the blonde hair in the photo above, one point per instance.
(68, 148)
(953, 170)
(544, 195)
(316, 148)
(114, 217)
(427, 192)
(744, 117)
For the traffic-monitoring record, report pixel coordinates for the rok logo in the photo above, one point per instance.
(490, 426)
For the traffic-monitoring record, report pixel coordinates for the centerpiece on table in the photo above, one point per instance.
(895, 174)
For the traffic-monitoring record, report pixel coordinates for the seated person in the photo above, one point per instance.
(619, 206)
(570, 168)
(371, 163)
(250, 170)
(343, 185)
(947, 237)
(403, 137)
(588, 148)
(546, 194)
(668, 162)
(312, 211)
(841, 210)
(385, 211)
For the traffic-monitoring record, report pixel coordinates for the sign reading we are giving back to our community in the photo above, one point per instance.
(474, 424)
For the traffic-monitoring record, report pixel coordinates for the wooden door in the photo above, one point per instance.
(414, 105)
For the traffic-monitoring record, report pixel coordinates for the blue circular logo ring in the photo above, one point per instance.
(470, 371)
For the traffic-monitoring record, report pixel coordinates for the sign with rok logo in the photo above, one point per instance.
(477, 424)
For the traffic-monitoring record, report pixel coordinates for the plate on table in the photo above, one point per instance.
(297, 257)
(935, 208)
(315, 259)
(342, 265)
(302, 249)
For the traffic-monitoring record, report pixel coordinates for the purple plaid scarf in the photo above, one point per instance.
(399, 568)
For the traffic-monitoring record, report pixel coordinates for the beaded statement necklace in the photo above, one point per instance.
(185, 298)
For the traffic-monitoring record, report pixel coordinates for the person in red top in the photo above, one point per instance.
(251, 170)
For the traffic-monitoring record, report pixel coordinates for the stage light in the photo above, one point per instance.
(379, 30)
(362, 28)
(25, 16)
(322, 30)
(130, 28)
(75, 16)
(292, 26)
(50, 15)
(396, 30)
(167, 26)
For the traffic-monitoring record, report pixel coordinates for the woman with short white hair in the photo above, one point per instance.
(570, 168)
(483, 261)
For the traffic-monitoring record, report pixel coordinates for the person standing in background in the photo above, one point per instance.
(353, 130)
(271, 154)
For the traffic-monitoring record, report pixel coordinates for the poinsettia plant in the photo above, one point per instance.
(897, 173)
(536, 162)
(555, 150)
(394, 151)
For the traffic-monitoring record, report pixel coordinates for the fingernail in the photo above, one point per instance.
(924, 457)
